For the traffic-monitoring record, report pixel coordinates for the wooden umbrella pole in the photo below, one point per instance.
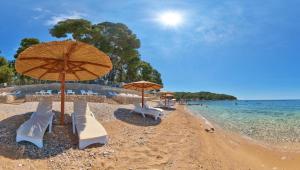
(165, 100)
(142, 98)
(62, 100)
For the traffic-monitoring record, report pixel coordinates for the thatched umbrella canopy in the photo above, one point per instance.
(165, 95)
(63, 61)
(142, 86)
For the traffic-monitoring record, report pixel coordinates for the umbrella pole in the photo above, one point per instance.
(62, 100)
(165, 100)
(142, 98)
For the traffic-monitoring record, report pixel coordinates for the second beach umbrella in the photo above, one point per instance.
(165, 95)
(142, 86)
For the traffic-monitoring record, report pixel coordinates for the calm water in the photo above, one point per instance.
(273, 121)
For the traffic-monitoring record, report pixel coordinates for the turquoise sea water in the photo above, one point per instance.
(272, 121)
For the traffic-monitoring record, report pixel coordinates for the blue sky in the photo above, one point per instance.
(246, 48)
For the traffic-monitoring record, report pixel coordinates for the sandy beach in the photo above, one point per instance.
(178, 141)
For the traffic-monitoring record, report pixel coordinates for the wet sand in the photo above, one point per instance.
(178, 141)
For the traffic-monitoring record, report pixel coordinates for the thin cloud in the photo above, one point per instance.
(52, 18)
(212, 31)
(57, 18)
(38, 9)
(41, 10)
(221, 24)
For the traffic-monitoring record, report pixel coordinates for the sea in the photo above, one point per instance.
(270, 121)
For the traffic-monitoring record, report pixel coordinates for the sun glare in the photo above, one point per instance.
(170, 18)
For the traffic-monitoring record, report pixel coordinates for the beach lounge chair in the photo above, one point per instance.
(146, 111)
(83, 92)
(111, 93)
(161, 104)
(48, 92)
(158, 109)
(59, 92)
(138, 109)
(17, 93)
(42, 92)
(90, 92)
(70, 92)
(34, 129)
(89, 130)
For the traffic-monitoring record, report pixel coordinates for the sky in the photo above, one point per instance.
(249, 49)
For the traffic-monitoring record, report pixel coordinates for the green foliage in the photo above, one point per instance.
(203, 96)
(3, 61)
(146, 72)
(117, 41)
(25, 43)
(6, 72)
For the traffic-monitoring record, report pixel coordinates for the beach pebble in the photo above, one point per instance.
(283, 158)
(20, 165)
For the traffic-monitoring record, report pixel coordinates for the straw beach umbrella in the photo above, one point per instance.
(63, 61)
(166, 94)
(142, 86)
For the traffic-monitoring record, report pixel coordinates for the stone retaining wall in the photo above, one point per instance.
(7, 99)
(28, 92)
(31, 89)
(130, 100)
(68, 98)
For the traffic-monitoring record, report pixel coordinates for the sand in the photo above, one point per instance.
(177, 141)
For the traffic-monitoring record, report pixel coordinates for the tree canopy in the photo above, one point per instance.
(6, 72)
(117, 41)
(25, 43)
(203, 96)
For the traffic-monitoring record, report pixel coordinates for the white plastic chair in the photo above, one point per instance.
(161, 111)
(48, 92)
(147, 111)
(34, 129)
(70, 92)
(83, 92)
(90, 92)
(89, 130)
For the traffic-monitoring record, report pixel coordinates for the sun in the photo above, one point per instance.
(170, 18)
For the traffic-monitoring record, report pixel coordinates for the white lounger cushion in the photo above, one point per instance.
(34, 129)
(149, 107)
(147, 111)
(89, 130)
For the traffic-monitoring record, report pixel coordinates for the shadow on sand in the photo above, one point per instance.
(135, 118)
(60, 140)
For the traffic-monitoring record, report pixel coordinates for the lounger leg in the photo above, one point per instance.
(50, 125)
(73, 123)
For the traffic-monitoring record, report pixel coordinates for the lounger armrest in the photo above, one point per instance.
(32, 115)
(92, 114)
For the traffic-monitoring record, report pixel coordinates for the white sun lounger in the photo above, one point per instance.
(90, 92)
(161, 111)
(146, 111)
(83, 92)
(89, 130)
(34, 129)
(111, 93)
(42, 92)
(48, 92)
(70, 92)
